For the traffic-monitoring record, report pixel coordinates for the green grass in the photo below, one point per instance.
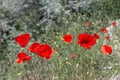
(89, 65)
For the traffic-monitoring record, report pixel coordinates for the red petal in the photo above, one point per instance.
(22, 39)
(114, 24)
(96, 36)
(27, 58)
(67, 38)
(22, 57)
(74, 56)
(104, 30)
(18, 61)
(87, 23)
(53, 51)
(107, 38)
(86, 40)
(33, 47)
(44, 51)
(106, 49)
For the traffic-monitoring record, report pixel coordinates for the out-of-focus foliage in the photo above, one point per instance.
(11, 6)
(50, 8)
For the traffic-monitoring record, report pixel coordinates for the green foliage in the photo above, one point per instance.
(47, 21)
(11, 6)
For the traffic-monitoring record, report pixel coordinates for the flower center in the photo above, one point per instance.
(86, 41)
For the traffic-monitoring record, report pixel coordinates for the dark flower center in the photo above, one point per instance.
(86, 41)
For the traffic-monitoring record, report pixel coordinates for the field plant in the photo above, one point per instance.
(60, 40)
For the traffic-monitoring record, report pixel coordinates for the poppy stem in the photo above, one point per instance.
(25, 67)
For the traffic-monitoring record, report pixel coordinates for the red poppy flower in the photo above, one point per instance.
(106, 49)
(74, 56)
(87, 23)
(114, 23)
(104, 30)
(22, 39)
(22, 57)
(86, 40)
(33, 47)
(67, 38)
(45, 51)
(107, 38)
(96, 36)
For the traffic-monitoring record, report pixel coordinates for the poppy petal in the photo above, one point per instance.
(22, 57)
(114, 24)
(18, 61)
(106, 49)
(45, 51)
(22, 39)
(33, 47)
(67, 38)
(87, 23)
(104, 30)
(86, 40)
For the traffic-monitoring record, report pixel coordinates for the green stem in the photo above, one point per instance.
(25, 68)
